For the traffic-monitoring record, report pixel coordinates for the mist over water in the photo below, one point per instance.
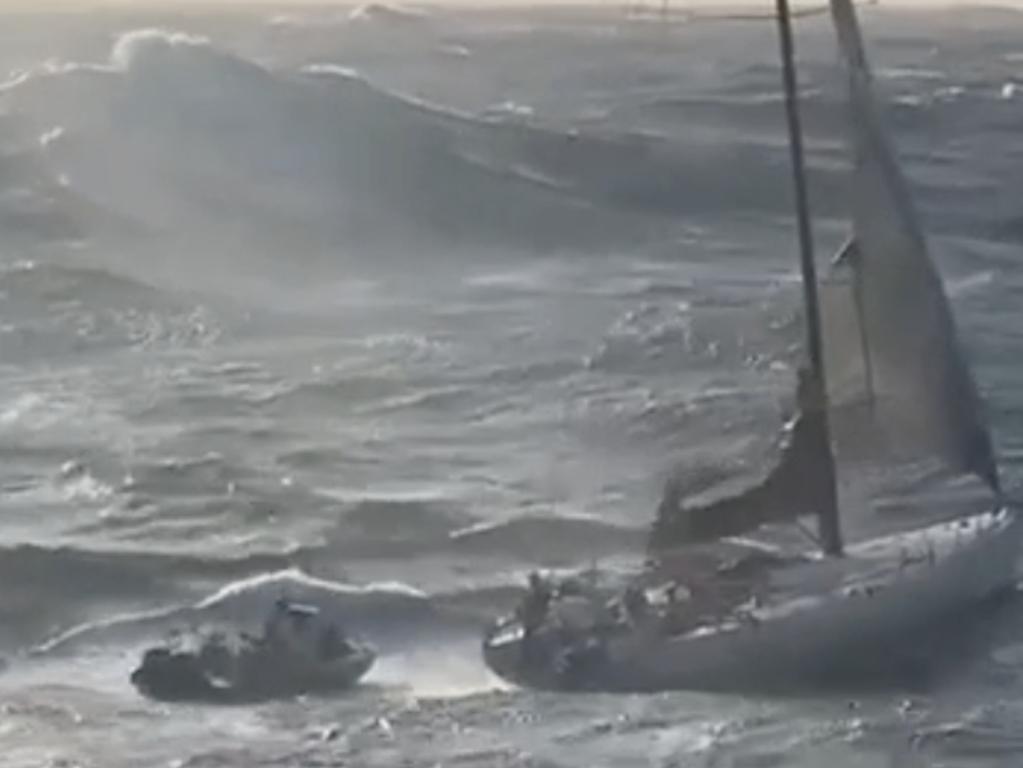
(382, 309)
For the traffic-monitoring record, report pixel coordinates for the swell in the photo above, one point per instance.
(320, 156)
(63, 311)
(59, 585)
(201, 144)
(396, 617)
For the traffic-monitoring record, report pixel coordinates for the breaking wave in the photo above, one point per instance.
(186, 140)
(172, 135)
(176, 136)
(72, 583)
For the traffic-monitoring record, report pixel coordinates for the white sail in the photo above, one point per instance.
(894, 363)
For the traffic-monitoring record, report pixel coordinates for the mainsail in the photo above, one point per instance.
(894, 363)
(898, 384)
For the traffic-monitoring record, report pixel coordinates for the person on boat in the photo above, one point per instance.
(798, 485)
(274, 623)
(675, 615)
(291, 628)
(535, 606)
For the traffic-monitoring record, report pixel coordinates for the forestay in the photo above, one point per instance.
(895, 368)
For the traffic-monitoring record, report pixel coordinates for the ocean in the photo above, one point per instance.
(384, 308)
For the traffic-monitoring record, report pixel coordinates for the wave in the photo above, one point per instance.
(58, 282)
(58, 585)
(196, 144)
(536, 538)
(62, 311)
(398, 618)
(190, 141)
(382, 612)
(429, 643)
(37, 208)
(395, 616)
(388, 13)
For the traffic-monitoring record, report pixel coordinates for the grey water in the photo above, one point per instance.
(388, 307)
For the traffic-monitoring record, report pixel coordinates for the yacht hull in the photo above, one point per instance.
(818, 617)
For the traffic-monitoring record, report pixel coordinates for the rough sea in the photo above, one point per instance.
(383, 308)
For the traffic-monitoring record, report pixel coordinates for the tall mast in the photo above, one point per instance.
(828, 522)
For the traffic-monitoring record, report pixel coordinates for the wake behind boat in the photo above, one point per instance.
(295, 655)
(886, 380)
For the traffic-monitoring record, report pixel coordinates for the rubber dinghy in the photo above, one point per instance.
(249, 669)
(885, 363)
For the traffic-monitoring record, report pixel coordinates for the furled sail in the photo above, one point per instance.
(894, 364)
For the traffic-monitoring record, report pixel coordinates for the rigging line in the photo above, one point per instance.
(751, 15)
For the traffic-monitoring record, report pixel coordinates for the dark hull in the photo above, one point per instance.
(181, 676)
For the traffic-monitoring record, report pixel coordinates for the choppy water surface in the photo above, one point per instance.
(387, 308)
